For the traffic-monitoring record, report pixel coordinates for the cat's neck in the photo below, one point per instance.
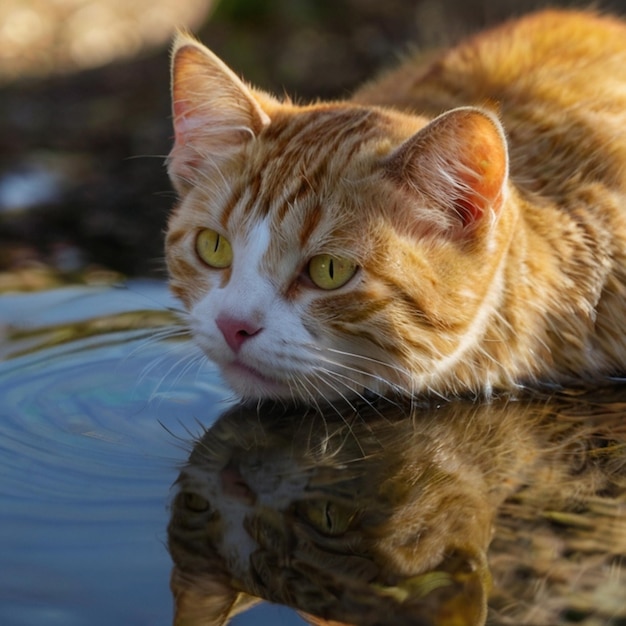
(554, 279)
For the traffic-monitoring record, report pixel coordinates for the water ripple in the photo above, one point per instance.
(89, 445)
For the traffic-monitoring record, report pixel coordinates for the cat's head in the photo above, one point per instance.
(351, 517)
(328, 249)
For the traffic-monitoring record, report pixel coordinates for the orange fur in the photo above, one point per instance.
(491, 246)
(357, 516)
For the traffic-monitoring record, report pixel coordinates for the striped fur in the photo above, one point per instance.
(347, 515)
(481, 196)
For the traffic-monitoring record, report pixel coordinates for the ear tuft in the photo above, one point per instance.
(214, 112)
(459, 161)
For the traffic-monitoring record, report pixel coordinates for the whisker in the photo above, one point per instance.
(189, 359)
(368, 359)
(352, 390)
(365, 373)
(320, 376)
(160, 337)
(166, 335)
(294, 381)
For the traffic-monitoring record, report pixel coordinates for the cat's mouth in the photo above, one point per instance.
(244, 368)
(245, 378)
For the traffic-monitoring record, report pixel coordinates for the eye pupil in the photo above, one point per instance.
(330, 272)
(329, 517)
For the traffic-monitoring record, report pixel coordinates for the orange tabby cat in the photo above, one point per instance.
(454, 228)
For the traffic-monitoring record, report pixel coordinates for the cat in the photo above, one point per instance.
(457, 227)
(385, 515)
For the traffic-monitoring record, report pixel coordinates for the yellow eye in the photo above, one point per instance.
(331, 272)
(214, 249)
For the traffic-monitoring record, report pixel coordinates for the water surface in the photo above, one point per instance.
(100, 406)
(96, 413)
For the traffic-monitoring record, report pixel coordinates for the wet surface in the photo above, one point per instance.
(103, 398)
(510, 511)
(96, 416)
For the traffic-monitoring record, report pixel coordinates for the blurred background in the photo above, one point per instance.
(85, 114)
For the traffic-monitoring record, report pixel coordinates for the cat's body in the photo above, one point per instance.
(457, 227)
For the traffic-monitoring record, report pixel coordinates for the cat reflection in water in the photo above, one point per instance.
(380, 517)
(457, 226)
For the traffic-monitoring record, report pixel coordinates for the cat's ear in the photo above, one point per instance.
(204, 601)
(214, 112)
(459, 161)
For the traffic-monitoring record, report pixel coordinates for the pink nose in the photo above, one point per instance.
(236, 331)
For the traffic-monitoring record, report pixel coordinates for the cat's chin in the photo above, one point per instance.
(250, 383)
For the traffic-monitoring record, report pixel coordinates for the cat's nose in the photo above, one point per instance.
(236, 331)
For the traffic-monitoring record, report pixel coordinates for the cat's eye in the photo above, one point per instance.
(214, 249)
(195, 502)
(330, 272)
(329, 518)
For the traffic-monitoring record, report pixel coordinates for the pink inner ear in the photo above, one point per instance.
(459, 161)
(184, 121)
(183, 159)
(214, 112)
(481, 192)
(468, 211)
(484, 165)
(181, 125)
(179, 109)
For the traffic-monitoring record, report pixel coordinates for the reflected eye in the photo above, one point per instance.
(214, 249)
(195, 502)
(325, 516)
(331, 272)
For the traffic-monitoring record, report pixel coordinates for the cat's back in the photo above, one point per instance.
(556, 55)
(557, 80)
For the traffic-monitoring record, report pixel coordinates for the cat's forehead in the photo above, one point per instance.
(304, 129)
(293, 172)
(318, 142)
